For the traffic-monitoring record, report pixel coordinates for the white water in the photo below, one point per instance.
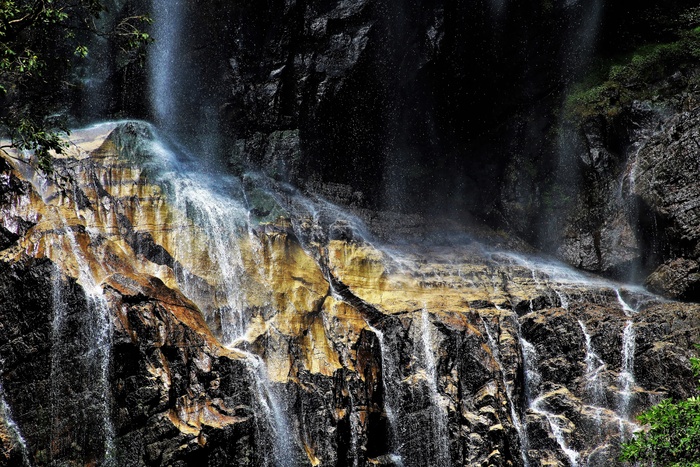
(268, 401)
(163, 59)
(517, 421)
(208, 202)
(6, 414)
(439, 413)
(626, 379)
(389, 370)
(629, 311)
(95, 331)
(535, 403)
(216, 206)
(594, 368)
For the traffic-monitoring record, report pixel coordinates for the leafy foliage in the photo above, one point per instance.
(629, 78)
(40, 41)
(673, 434)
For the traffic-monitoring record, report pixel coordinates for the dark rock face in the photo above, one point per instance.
(391, 98)
(160, 370)
(638, 217)
(664, 176)
(175, 402)
(443, 356)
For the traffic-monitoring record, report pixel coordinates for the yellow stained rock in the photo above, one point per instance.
(110, 226)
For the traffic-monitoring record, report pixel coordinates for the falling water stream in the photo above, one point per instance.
(389, 381)
(438, 413)
(515, 416)
(6, 414)
(218, 206)
(163, 60)
(536, 403)
(80, 387)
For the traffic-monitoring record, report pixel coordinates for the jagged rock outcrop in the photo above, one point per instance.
(156, 324)
(639, 220)
(664, 176)
(470, 82)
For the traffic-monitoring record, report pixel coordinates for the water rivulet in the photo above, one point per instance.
(155, 313)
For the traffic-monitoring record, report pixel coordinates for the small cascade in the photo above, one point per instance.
(626, 379)
(440, 434)
(355, 422)
(515, 416)
(6, 414)
(389, 378)
(68, 370)
(594, 367)
(268, 401)
(535, 403)
(629, 311)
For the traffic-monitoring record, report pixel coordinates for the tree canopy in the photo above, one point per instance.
(40, 41)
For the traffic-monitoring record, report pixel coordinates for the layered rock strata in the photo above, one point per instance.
(149, 319)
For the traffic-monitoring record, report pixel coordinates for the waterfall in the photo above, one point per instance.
(163, 60)
(6, 414)
(439, 414)
(389, 379)
(515, 416)
(203, 222)
(535, 401)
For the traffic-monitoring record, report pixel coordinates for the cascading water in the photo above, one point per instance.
(594, 367)
(217, 213)
(283, 453)
(6, 414)
(626, 380)
(163, 60)
(215, 205)
(536, 401)
(389, 379)
(515, 415)
(626, 373)
(438, 413)
(420, 374)
(81, 345)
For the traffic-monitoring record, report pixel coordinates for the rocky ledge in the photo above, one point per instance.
(148, 319)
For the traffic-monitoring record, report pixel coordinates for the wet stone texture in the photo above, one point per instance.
(121, 343)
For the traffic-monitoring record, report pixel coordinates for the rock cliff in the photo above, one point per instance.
(155, 313)
(634, 215)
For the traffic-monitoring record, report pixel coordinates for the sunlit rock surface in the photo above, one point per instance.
(148, 318)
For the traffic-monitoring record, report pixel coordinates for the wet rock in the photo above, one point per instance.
(347, 352)
(678, 278)
(597, 156)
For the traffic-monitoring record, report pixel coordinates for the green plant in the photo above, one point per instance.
(615, 83)
(672, 433)
(40, 41)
